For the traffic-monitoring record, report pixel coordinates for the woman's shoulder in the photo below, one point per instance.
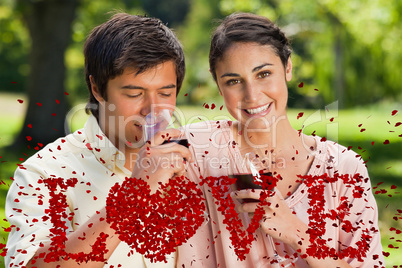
(339, 157)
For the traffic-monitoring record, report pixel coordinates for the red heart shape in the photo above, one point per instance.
(154, 225)
(220, 189)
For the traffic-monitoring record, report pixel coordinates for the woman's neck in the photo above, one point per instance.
(280, 146)
(279, 135)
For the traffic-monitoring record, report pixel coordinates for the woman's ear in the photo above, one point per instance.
(288, 71)
(95, 90)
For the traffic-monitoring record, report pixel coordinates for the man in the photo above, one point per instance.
(133, 64)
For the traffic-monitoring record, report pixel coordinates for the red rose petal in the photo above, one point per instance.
(300, 115)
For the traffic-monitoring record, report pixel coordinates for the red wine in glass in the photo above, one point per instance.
(183, 142)
(246, 181)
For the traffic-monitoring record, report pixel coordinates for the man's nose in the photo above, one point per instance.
(148, 105)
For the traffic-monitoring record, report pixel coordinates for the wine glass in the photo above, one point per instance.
(161, 120)
(166, 119)
(249, 169)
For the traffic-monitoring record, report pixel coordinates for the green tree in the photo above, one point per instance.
(194, 35)
(49, 24)
(372, 35)
(52, 27)
(14, 44)
(89, 15)
(172, 12)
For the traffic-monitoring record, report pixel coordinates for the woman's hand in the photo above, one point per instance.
(157, 163)
(279, 221)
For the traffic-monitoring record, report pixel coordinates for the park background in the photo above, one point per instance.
(346, 82)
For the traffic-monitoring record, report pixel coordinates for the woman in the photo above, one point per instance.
(251, 65)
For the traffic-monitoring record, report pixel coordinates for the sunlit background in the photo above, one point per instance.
(346, 83)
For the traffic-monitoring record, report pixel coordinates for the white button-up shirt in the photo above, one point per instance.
(87, 155)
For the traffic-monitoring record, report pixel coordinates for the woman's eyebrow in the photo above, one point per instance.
(230, 74)
(255, 69)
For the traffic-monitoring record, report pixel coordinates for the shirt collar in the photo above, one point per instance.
(103, 149)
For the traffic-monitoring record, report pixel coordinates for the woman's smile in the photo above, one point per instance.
(258, 111)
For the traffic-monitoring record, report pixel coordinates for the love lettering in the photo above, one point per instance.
(167, 218)
(130, 206)
(162, 221)
(58, 217)
(241, 240)
(318, 217)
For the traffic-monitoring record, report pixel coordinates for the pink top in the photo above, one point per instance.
(211, 144)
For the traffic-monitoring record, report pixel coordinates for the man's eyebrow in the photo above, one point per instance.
(255, 69)
(131, 87)
(139, 87)
(169, 86)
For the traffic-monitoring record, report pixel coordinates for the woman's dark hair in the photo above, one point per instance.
(128, 41)
(247, 27)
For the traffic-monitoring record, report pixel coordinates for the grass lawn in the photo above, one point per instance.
(363, 129)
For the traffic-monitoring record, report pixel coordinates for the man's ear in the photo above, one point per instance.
(95, 90)
(288, 71)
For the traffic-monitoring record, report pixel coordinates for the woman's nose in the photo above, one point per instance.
(251, 93)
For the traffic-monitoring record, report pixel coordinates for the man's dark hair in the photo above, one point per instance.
(128, 41)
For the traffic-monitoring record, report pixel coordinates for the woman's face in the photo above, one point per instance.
(253, 82)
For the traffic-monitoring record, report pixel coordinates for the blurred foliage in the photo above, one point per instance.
(368, 33)
(348, 50)
(89, 15)
(172, 12)
(14, 48)
(195, 34)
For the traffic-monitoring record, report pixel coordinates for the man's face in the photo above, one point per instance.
(130, 97)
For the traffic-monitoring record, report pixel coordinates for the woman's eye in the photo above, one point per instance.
(232, 82)
(263, 74)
